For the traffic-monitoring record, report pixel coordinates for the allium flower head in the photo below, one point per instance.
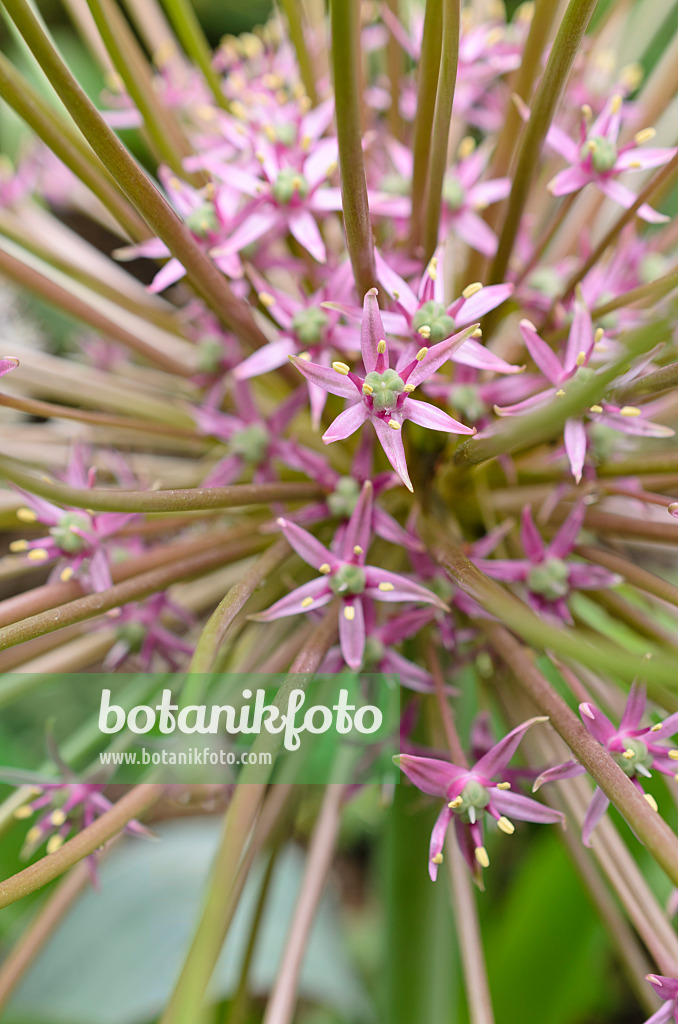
(469, 792)
(384, 394)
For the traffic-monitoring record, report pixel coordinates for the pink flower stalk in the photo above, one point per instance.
(598, 159)
(384, 394)
(579, 350)
(666, 989)
(546, 575)
(468, 792)
(634, 748)
(346, 576)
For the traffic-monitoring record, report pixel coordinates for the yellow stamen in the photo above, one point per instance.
(367, 389)
(628, 754)
(341, 368)
(17, 546)
(421, 354)
(581, 358)
(437, 858)
(38, 555)
(656, 727)
(471, 289)
(673, 754)
(381, 347)
(586, 112)
(506, 826)
(433, 268)
(477, 333)
(503, 785)
(57, 817)
(33, 834)
(598, 336)
(306, 602)
(457, 802)
(408, 389)
(615, 106)
(306, 356)
(357, 550)
(26, 515)
(466, 147)
(325, 568)
(528, 324)
(66, 574)
(425, 331)
(23, 812)
(349, 613)
(629, 410)
(596, 408)
(394, 425)
(481, 857)
(560, 393)
(651, 800)
(266, 299)
(385, 587)
(53, 843)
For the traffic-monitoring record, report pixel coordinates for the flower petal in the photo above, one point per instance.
(303, 227)
(346, 423)
(326, 378)
(501, 753)
(533, 545)
(515, 805)
(397, 588)
(352, 632)
(429, 774)
(359, 527)
(437, 355)
(371, 331)
(318, 590)
(306, 546)
(392, 442)
(574, 435)
(544, 357)
(8, 363)
(430, 416)
(438, 840)
(567, 770)
(566, 537)
(596, 809)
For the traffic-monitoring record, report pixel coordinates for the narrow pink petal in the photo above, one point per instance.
(665, 1012)
(172, 272)
(561, 142)
(346, 423)
(400, 588)
(359, 527)
(352, 633)
(597, 723)
(568, 181)
(488, 192)
(574, 436)
(637, 426)
(326, 378)
(429, 774)
(591, 577)
(318, 590)
(530, 537)
(515, 805)
(525, 405)
(7, 363)
(394, 285)
(265, 359)
(619, 193)
(151, 248)
(371, 331)
(430, 416)
(566, 537)
(323, 156)
(645, 157)
(482, 302)
(651, 216)
(543, 355)
(596, 809)
(473, 230)
(635, 707)
(392, 443)
(306, 545)
(568, 770)
(257, 224)
(503, 570)
(438, 840)
(580, 338)
(497, 758)
(303, 227)
(438, 355)
(472, 353)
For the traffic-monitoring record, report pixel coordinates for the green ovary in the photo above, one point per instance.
(385, 389)
(454, 194)
(550, 579)
(603, 153)
(251, 443)
(309, 325)
(63, 534)
(474, 795)
(344, 498)
(432, 315)
(289, 184)
(641, 756)
(203, 221)
(349, 579)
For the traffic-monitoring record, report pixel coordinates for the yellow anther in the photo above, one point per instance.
(581, 358)
(164, 53)
(394, 425)
(26, 515)
(408, 389)
(656, 727)
(297, 182)
(306, 602)
(432, 269)
(38, 555)
(503, 785)
(66, 574)
(17, 546)
(305, 142)
(457, 802)
(617, 101)
(629, 410)
(260, 157)
(634, 165)
(421, 354)
(586, 112)
(23, 812)
(325, 568)
(528, 325)
(381, 347)
(367, 389)
(466, 147)
(628, 754)
(471, 289)
(477, 333)
(560, 393)
(349, 613)
(266, 299)
(33, 834)
(651, 800)
(673, 754)
(341, 368)
(54, 843)
(57, 817)
(385, 587)
(591, 145)
(481, 856)
(596, 408)
(437, 858)
(357, 550)
(506, 826)
(598, 336)
(425, 331)
(631, 76)
(269, 132)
